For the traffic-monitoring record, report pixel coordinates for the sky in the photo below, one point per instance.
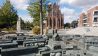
(70, 8)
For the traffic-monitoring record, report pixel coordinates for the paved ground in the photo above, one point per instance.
(60, 31)
(90, 31)
(93, 53)
(28, 55)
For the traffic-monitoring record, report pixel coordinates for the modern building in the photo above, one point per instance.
(89, 18)
(55, 20)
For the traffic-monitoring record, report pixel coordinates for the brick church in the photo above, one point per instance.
(55, 20)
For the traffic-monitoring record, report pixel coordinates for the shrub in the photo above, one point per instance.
(36, 30)
(4, 29)
(46, 30)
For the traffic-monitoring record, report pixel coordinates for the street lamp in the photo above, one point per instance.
(41, 18)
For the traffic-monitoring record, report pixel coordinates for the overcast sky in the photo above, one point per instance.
(70, 8)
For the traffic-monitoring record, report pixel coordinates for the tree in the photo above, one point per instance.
(67, 25)
(74, 24)
(22, 24)
(34, 11)
(26, 25)
(8, 15)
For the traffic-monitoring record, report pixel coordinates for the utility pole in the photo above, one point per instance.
(41, 18)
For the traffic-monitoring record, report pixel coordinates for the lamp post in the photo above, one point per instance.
(41, 18)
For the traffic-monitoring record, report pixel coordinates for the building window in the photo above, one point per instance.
(84, 16)
(95, 19)
(85, 21)
(96, 13)
(84, 24)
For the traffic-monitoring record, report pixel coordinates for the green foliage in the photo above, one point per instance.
(9, 30)
(22, 24)
(36, 30)
(67, 25)
(34, 11)
(26, 25)
(74, 24)
(4, 29)
(8, 15)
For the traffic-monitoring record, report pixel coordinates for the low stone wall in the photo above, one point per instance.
(19, 51)
(5, 41)
(8, 45)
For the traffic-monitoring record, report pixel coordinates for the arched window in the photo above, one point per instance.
(47, 22)
(54, 22)
(58, 22)
(50, 22)
(61, 21)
